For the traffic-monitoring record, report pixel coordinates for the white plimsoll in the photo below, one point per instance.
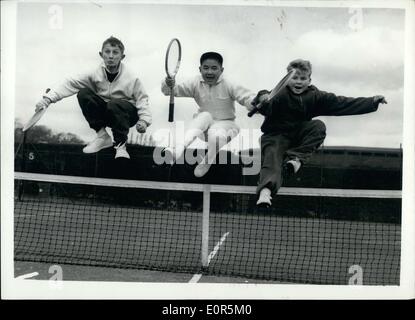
(121, 151)
(264, 198)
(201, 169)
(102, 141)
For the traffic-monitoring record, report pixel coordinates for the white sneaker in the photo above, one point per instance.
(294, 165)
(121, 151)
(102, 141)
(264, 198)
(201, 169)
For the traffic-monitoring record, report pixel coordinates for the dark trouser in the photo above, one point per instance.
(275, 148)
(119, 115)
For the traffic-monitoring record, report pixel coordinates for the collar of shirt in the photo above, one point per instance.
(105, 68)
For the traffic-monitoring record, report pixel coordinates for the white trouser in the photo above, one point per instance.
(217, 132)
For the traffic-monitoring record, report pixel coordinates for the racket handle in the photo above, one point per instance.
(171, 112)
(171, 108)
(254, 110)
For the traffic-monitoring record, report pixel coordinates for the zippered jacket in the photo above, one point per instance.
(288, 110)
(218, 100)
(125, 86)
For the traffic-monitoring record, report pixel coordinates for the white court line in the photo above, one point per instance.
(197, 277)
(28, 275)
(215, 250)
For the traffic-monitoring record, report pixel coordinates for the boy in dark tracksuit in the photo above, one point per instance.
(290, 134)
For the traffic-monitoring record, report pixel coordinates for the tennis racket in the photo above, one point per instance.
(35, 118)
(282, 84)
(173, 58)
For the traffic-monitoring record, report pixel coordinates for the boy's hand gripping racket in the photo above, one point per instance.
(282, 84)
(173, 58)
(35, 118)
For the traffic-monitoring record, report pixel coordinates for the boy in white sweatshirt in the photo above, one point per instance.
(109, 96)
(215, 117)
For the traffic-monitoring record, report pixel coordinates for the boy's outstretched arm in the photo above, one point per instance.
(241, 94)
(69, 87)
(328, 104)
(185, 89)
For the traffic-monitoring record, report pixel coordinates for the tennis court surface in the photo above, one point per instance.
(314, 236)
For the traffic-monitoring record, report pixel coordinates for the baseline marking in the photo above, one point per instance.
(195, 278)
(215, 250)
(28, 275)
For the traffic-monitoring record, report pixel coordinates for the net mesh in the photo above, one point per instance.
(302, 239)
(305, 247)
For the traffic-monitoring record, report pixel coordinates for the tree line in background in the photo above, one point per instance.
(43, 134)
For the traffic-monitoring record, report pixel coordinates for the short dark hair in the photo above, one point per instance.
(113, 41)
(211, 55)
(300, 64)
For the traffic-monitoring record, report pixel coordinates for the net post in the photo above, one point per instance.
(205, 225)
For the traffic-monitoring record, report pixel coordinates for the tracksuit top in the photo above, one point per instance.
(125, 86)
(218, 100)
(288, 110)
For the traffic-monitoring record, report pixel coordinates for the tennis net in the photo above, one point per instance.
(321, 236)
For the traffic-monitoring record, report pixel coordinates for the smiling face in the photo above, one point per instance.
(211, 70)
(300, 81)
(112, 56)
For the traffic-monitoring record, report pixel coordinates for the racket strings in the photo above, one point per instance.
(173, 59)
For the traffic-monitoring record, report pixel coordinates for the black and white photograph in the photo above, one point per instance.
(207, 150)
